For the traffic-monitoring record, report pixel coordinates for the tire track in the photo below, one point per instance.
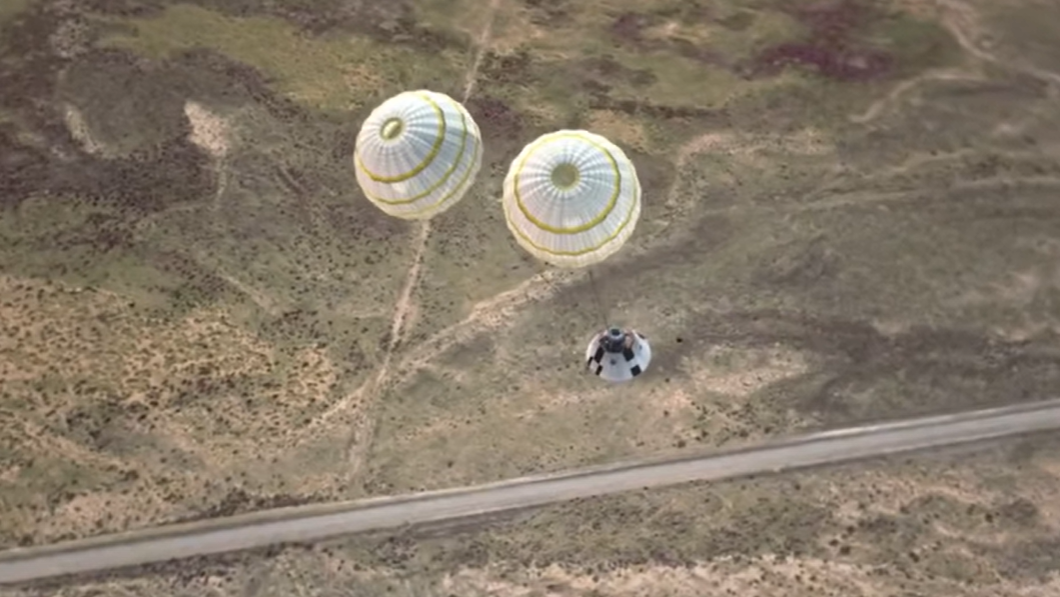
(363, 431)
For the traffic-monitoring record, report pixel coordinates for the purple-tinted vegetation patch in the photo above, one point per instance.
(848, 65)
(628, 26)
(833, 48)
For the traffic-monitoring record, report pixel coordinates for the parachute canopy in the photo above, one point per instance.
(417, 154)
(571, 198)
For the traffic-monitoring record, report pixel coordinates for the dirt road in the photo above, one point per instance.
(320, 521)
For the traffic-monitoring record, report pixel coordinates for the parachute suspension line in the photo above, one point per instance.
(542, 272)
(599, 303)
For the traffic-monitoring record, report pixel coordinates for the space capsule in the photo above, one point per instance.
(618, 355)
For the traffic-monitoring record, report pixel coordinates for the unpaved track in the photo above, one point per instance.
(316, 522)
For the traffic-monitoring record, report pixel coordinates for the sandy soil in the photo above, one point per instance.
(849, 214)
(973, 523)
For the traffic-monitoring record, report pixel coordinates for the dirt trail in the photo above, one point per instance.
(404, 310)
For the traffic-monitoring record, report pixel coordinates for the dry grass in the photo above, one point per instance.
(971, 524)
(811, 252)
(333, 74)
(73, 360)
(11, 8)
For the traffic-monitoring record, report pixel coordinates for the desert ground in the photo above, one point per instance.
(849, 214)
(979, 522)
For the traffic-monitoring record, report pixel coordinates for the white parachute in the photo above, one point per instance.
(571, 198)
(618, 355)
(417, 154)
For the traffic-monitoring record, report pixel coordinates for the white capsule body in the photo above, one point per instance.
(618, 355)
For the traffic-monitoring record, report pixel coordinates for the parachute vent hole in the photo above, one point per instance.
(565, 176)
(392, 129)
